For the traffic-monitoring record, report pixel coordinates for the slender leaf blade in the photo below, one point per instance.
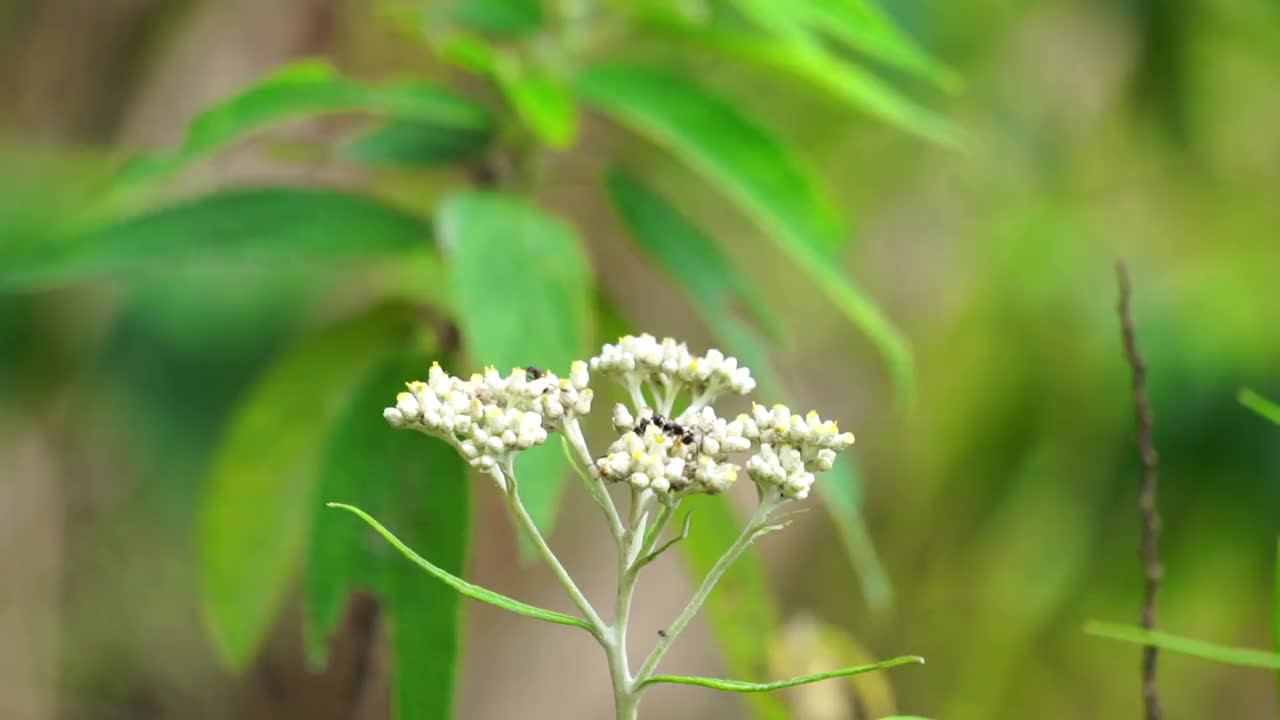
(542, 100)
(839, 489)
(255, 507)
(475, 592)
(755, 170)
(521, 284)
(1259, 404)
(305, 89)
(1187, 646)
(410, 145)
(264, 226)
(863, 26)
(751, 687)
(509, 18)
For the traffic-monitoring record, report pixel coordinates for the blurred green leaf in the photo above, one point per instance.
(468, 51)
(542, 100)
(408, 144)
(261, 226)
(257, 501)
(857, 87)
(692, 259)
(839, 490)
(500, 17)
(1187, 646)
(684, 251)
(521, 284)
(864, 27)
(475, 592)
(306, 89)
(741, 609)
(750, 687)
(420, 485)
(755, 170)
(1260, 405)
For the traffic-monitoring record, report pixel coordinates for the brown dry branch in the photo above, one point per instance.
(1148, 547)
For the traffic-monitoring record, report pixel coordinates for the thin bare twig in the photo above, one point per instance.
(1148, 548)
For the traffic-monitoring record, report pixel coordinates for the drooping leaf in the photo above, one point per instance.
(1187, 646)
(475, 592)
(684, 251)
(257, 501)
(521, 284)
(750, 687)
(1260, 405)
(512, 18)
(542, 100)
(263, 226)
(694, 262)
(755, 170)
(863, 26)
(410, 145)
(857, 87)
(741, 609)
(306, 89)
(420, 485)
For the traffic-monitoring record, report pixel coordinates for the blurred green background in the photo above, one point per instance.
(1001, 500)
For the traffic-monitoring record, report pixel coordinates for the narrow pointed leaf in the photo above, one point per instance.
(1187, 646)
(307, 89)
(475, 592)
(508, 18)
(410, 144)
(521, 284)
(750, 687)
(543, 101)
(1260, 405)
(256, 506)
(863, 26)
(266, 226)
(756, 171)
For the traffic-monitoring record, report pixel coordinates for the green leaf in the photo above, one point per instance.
(542, 100)
(262, 226)
(855, 86)
(410, 145)
(511, 18)
(684, 251)
(839, 491)
(1187, 646)
(421, 485)
(475, 592)
(863, 26)
(307, 89)
(741, 610)
(1275, 610)
(755, 170)
(750, 687)
(521, 284)
(256, 504)
(1260, 405)
(694, 262)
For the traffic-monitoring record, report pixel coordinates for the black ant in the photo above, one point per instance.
(534, 373)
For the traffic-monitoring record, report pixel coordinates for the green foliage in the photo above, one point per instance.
(409, 145)
(513, 18)
(421, 486)
(257, 501)
(272, 225)
(1186, 646)
(1260, 405)
(522, 287)
(755, 170)
(308, 89)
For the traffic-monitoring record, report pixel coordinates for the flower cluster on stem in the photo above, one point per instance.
(661, 453)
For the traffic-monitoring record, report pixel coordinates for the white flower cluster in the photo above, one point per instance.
(666, 456)
(792, 449)
(490, 416)
(639, 358)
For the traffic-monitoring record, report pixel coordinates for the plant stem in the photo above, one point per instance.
(749, 532)
(521, 517)
(573, 432)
